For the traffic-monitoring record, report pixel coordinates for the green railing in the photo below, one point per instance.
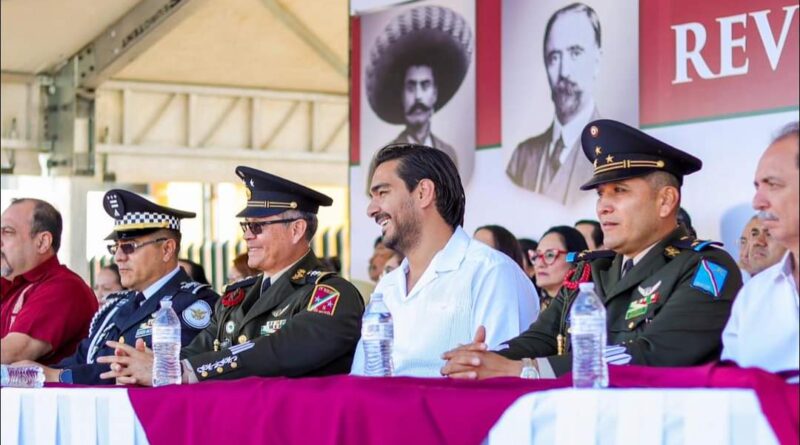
(217, 257)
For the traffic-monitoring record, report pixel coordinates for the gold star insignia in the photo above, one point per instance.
(598, 150)
(299, 274)
(609, 159)
(672, 252)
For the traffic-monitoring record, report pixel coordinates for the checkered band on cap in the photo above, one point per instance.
(146, 220)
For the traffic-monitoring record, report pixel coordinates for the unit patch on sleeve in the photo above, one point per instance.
(710, 278)
(323, 300)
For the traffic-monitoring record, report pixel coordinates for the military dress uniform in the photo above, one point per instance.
(670, 308)
(128, 315)
(306, 323)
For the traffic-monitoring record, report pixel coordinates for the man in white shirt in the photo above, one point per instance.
(763, 329)
(551, 163)
(448, 284)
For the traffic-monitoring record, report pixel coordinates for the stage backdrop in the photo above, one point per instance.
(716, 79)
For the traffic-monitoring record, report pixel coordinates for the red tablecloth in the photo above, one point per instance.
(356, 410)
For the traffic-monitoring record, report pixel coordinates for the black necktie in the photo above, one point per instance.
(138, 300)
(627, 267)
(265, 285)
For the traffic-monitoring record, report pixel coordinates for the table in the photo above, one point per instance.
(694, 405)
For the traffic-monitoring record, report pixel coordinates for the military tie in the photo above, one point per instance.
(138, 300)
(627, 266)
(265, 285)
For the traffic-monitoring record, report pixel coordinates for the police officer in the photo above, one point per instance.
(667, 295)
(146, 241)
(291, 320)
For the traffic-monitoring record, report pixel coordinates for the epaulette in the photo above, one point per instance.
(689, 243)
(589, 255)
(193, 286)
(244, 282)
(112, 300)
(315, 276)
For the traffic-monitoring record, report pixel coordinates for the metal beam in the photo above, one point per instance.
(307, 35)
(154, 119)
(220, 120)
(277, 130)
(128, 37)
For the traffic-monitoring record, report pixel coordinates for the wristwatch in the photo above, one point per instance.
(65, 376)
(529, 371)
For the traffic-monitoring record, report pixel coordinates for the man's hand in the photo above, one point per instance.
(50, 374)
(473, 361)
(129, 365)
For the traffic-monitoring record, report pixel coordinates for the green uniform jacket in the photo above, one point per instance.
(669, 310)
(307, 323)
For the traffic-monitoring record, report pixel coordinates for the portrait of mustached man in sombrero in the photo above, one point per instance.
(415, 67)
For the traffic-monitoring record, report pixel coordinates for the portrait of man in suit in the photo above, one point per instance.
(551, 163)
(416, 66)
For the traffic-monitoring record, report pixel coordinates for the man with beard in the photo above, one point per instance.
(551, 163)
(448, 284)
(416, 66)
(763, 328)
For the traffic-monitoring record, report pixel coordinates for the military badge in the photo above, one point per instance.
(671, 252)
(710, 278)
(323, 300)
(233, 297)
(278, 312)
(197, 315)
(272, 327)
(229, 327)
(299, 274)
(650, 290)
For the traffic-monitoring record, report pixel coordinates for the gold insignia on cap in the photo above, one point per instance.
(598, 150)
(249, 193)
(631, 325)
(660, 163)
(672, 252)
(594, 131)
(299, 274)
(242, 338)
(609, 159)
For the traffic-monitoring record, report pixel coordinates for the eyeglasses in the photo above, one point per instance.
(549, 256)
(255, 227)
(132, 246)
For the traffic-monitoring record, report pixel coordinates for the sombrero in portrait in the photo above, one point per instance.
(428, 35)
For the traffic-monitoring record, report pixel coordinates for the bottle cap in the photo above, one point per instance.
(166, 303)
(585, 287)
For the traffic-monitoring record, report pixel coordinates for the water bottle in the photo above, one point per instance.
(588, 338)
(22, 376)
(377, 333)
(166, 346)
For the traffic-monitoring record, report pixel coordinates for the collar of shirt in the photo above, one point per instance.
(9, 287)
(447, 259)
(153, 288)
(571, 132)
(275, 277)
(783, 270)
(427, 142)
(641, 254)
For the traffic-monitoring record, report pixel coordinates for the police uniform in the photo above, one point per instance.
(128, 316)
(671, 307)
(306, 323)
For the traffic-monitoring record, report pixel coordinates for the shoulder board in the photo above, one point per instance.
(244, 282)
(689, 243)
(193, 286)
(589, 255)
(316, 276)
(112, 300)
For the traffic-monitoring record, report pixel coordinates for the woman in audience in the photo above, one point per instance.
(194, 270)
(528, 247)
(501, 239)
(550, 260)
(240, 269)
(107, 282)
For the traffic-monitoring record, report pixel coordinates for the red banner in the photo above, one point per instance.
(700, 60)
(487, 95)
(355, 90)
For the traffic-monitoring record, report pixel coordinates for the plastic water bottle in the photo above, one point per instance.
(166, 346)
(22, 376)
(588, 337)
(377, 332)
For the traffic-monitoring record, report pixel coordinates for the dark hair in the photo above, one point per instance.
(378, 241)
(597, 230)
(577, 7)
(573, 239)
(45, 219)
(527, 244)
(505, 242)
(417, 162)
(311, 221)
(331, 264)
(196, 271)
(113, 268)
(685, 221)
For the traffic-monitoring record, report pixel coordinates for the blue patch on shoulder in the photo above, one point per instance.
(571, 257)
(710, 278)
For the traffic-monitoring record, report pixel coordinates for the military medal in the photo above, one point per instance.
(216, 345)
(560, 343)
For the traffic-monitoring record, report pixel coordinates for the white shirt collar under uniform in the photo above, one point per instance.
(155, 287)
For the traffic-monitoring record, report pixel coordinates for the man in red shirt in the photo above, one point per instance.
(45, 307)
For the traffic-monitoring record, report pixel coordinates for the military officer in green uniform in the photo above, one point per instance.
(291, 320)
(667, 295)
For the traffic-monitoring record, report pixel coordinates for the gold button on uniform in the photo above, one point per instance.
(204, 374)
(242, 339)
(234, 365)
(219, 370)
(631, 325)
